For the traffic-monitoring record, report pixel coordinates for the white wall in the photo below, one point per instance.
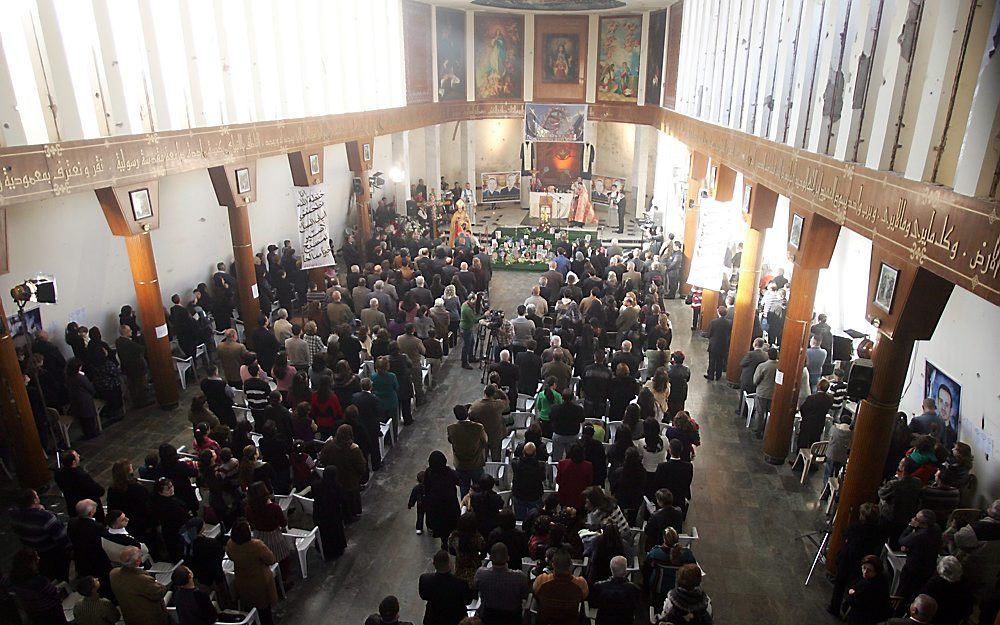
(498, 145)
(69, 238)
(842, 291)
(964, 347)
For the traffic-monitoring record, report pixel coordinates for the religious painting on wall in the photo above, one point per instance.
(451, 54)
(554, 122)
(602, 186)
(558, 164)
(619, 43)
(417, 48)
(499, 60)
(885, 291)
(502, 186)
(946, 393)
(561, 58)
(654, 57)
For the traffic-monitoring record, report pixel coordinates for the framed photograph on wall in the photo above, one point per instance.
(886, 288)
(366, 151)
(314, 164)
(243, 180)
(142, 204)
(795, 234)
(946, 393)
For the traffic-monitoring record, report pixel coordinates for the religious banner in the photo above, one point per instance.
(558, 164)
(711, 243)
(601, 187)
(314, 238)
(419, 72)
(554, 122)
(619, 43)
(501, 187)
(654, 57)
(450, 53)
(499, 61)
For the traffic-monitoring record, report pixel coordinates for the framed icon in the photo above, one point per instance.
(886, 287)
(366, 151)
(795, 235)
(314, 164)
(142, 204)
(243, 180)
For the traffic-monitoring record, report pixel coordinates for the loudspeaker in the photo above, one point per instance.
(843, 347)
(859, 380)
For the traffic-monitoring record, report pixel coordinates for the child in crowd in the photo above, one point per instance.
(150, 470)
(695, 301)
(302, 466)
(228, 467)
(417, 499)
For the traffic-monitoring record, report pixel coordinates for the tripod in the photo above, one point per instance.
(484, 351)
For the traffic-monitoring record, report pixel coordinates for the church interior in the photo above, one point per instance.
(271, 289)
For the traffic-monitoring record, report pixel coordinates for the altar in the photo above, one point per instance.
(560, 204)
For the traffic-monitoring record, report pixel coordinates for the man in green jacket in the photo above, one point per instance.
(467, 324)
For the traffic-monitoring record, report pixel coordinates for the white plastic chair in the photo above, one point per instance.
(498, 470)
(816, 454)
(305, 503)
(552, 472)
(522, 420)
(229, 570)
(301, 541)
(505, 497)
(385, 432)
(182, 365)
(239, 398)
(525, 402)
(749, 399)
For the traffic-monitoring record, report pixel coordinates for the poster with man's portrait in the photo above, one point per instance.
(601, 188)
(946, 393)
(501, 187)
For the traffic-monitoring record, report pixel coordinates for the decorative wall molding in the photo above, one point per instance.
(954, 236)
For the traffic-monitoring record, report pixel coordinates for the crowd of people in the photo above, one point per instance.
(582, 416)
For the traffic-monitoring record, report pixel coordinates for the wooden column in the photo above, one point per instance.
(360, 166)
(913, 313)
(698, 172)
(709, 302)
(811, 247)
(235, 187)
(758, 209)
(133, 212)
(307, 170)
(19, 420)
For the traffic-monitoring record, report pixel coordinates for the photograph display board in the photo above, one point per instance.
(946, 393)
(502, 186)
(600, 188)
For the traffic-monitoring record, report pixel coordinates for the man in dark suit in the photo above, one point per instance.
(529, 369)
(76, 484)
(634, 361)
(675, 475)
(748, 366)
(85, 532)
(719, 331)
(666, 515)
(369, 415)
(921, 540)
(615, 598)
(445, 594)
(921, 612)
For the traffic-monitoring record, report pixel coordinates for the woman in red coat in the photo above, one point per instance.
(573, 475)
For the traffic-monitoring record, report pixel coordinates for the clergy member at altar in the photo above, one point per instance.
(581, 211)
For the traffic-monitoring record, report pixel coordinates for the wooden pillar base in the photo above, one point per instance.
(709, 302)
(784, 403)
(872, 432)
(747, 295)
(19, 420)
(246, 272)
(151, 316)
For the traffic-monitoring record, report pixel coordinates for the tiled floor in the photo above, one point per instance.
(749, 514)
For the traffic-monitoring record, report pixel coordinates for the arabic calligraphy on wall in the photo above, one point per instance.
(955, 236)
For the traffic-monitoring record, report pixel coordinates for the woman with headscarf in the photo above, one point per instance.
(440, 497)
(328, 513)
(352, 469)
